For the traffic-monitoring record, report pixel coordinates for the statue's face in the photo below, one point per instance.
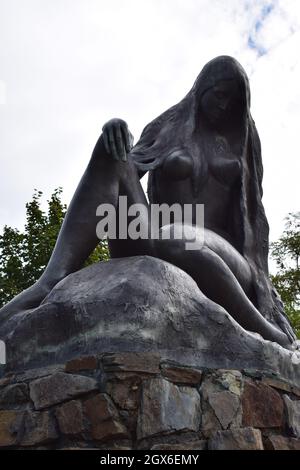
(220, 103)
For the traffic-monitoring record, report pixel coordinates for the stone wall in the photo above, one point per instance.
(137, 401)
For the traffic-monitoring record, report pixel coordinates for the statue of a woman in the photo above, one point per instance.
(204, 150)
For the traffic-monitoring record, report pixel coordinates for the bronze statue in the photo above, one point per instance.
(206, 150)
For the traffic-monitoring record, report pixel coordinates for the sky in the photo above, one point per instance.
(68, 66)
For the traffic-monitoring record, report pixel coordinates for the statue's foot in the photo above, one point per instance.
(295, 346)
(26, 300)
(281, 338)
(285, 341)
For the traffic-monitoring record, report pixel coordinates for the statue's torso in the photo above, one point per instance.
(218, 192)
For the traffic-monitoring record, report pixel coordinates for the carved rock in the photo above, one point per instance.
(140, 305)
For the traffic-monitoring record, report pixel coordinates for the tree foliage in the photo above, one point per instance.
(25, 254)
(286, 253)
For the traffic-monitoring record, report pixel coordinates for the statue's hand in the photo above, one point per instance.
(117, 139)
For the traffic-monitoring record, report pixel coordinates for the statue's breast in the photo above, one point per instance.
(224, 165)
(226, 171)
(177, 166)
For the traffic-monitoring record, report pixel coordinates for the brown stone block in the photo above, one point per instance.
(125, 390)
(108, 430)
(104, 418)
(132, 362)
(174, 438)
(14, 394)
(10, 427)
(221, 401)
(37, 373)
(281, 385)
(39, 428)
(292, 412)
(193, 445)
(183, 375)
(275, 383)
(226, 407)
(277, 442)
(262, 406)
(82, 363)
(70, 418)
(236, 439)
(166, 407)
(59, 387)
(123, 444)
(6, 380)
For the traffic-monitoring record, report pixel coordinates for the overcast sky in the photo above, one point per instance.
(67, 66)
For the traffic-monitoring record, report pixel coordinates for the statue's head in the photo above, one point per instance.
(219, 98)
(222, 91)
(219, 103)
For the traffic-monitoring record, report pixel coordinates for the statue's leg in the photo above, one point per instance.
(219, 271)
(102, 182)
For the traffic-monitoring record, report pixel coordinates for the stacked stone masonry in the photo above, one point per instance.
(136, 401)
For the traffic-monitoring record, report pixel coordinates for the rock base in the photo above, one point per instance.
(143, 305)
(139, 401)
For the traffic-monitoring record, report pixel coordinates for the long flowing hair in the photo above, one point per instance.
(178, 128)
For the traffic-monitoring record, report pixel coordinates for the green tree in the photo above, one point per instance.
(24, 255)
(286, 253)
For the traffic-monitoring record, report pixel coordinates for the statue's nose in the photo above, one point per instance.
(223, 105)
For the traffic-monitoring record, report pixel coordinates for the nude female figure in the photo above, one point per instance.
(203, 150)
